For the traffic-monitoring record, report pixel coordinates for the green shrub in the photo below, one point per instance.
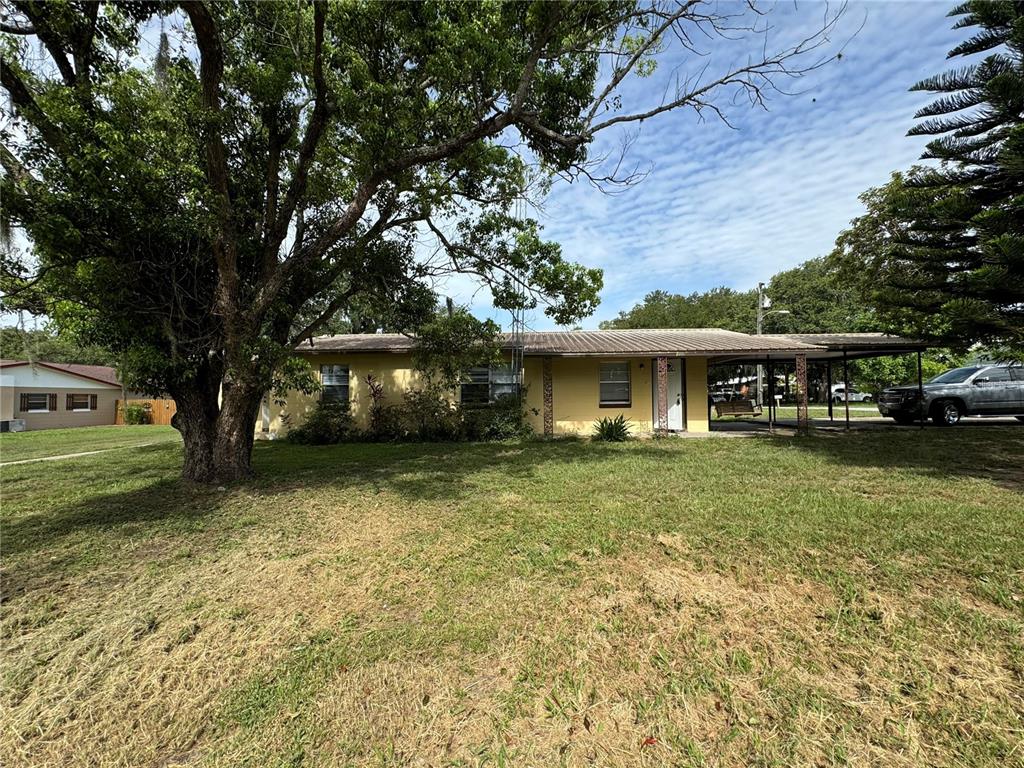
(387, 424)
(504, 419)
(329, 423)
(430, 416)
(612, 430)
(136, 413)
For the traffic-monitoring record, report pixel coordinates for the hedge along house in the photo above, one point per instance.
(53, 395)
(656, 379)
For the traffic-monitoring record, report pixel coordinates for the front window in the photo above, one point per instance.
(78, 403)
(955, 376)
(334, 379)
(615, 384)
(36, 402)
(486, 384)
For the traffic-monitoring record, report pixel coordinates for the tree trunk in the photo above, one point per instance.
(217, 427)
(236, 430)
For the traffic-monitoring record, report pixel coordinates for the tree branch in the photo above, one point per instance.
(322, 109)
(22, 98)
(211, 69)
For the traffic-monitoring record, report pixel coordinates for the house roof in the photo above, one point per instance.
(671, 342)
(853, 345)
(101, 373)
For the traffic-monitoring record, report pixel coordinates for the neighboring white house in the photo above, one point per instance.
(51, 395)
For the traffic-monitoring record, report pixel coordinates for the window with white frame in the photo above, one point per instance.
(36, 402)
(334, 379)
(77, 402)
(486, 384)
(615, 385)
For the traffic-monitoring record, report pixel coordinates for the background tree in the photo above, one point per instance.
(940, 251)
(717, 308)
(47, 345)
(200, 206)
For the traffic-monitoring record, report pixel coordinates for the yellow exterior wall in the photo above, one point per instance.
(576, 394)
(394, 371)
(697, 394)
(575, 391)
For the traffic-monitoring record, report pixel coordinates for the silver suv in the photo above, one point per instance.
(976, 390)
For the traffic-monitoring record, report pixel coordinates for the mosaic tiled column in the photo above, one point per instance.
(662, 425)
(549, 399)
(802, 422)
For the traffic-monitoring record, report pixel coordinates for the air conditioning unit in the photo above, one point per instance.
(12, 425)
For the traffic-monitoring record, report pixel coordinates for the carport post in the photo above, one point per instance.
(771, 395)
(661, 427)
(846, 389)
(828, 386)
(920, 388)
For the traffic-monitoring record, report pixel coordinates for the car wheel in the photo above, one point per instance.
(867, 398)
(946, 414)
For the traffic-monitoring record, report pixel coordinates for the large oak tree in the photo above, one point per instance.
(201, 202)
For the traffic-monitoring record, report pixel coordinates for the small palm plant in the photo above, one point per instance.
(612, 430)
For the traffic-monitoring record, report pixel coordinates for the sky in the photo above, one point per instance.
(732, 206)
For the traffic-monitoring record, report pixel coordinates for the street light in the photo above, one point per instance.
(763, 303)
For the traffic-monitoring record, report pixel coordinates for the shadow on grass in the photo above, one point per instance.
(992, 453)
(167, 506)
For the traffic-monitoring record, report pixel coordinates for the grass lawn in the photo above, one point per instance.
(833, 600)
(15, 446)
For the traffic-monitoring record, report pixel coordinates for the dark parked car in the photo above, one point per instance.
(976, 390)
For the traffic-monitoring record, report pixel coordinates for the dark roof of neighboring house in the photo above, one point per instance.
(101, 373)
(671, 342)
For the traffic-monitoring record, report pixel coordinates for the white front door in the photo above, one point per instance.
(676, 393)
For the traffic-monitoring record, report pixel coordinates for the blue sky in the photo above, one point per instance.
(732, 207)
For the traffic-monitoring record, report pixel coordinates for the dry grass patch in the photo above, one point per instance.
(725, 603)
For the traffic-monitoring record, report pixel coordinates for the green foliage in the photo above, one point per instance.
(449, 345)
(504, 419)
(940, 251)
(875, 374)
(818, 301)
(717, 308)
(330, 422)
(51, 347)
(611, 430)
(386, 422)
(430, 416)
(136, 413)
(270, 169)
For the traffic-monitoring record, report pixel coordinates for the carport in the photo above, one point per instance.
(832, 349)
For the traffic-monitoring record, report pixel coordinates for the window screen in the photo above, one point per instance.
(615, 384)
(476, 391)
(486, 385)
(78, 403)
(36, 401)
(334, 379)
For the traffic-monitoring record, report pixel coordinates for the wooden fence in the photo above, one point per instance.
(160, 411)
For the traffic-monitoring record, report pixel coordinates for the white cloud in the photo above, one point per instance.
(731, 207)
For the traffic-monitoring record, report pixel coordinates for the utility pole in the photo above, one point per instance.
(763, 303)
(760, 322)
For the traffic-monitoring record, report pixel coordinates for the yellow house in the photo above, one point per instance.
(656, 379)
